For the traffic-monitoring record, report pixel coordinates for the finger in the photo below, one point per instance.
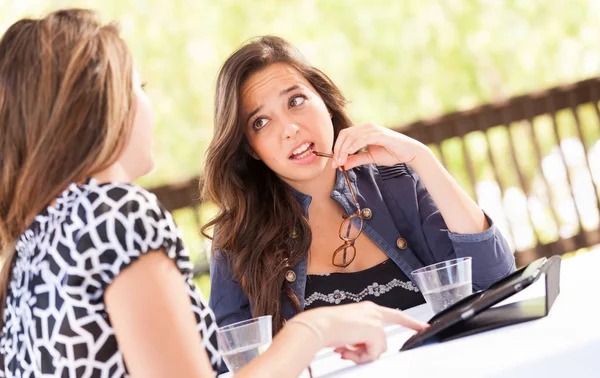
(393, 316)
(359, 355)
(345, 348)
(359, 159)
(347, 143)
(356, 357)
(370, 350)
(345, 149)
(374, 349)
(338, 144)
(343, 351)
(351, 145)
(341, 153)
(379, 345)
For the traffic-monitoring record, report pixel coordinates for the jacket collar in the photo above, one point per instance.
(340, 187)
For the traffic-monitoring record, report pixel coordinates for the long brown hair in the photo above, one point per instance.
(258, 212)
(66, 110)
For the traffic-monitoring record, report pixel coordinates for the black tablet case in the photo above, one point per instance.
(512, 313)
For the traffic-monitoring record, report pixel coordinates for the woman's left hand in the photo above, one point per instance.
(385, 147)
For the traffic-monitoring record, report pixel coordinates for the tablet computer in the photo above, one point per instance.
(477, 302)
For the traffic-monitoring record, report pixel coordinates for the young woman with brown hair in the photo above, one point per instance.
(294, 232)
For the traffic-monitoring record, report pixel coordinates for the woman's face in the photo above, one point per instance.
(137, 159)
(284, 120)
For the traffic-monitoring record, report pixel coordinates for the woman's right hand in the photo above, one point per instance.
(356, 330)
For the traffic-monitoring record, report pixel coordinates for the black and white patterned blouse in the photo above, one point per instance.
(55, 320)
(384, 284)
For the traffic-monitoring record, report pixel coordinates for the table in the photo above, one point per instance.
(566, 343)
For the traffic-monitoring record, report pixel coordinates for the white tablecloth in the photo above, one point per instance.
(566, 343)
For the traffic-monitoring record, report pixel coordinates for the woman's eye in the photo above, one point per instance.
(259, 123)
(296, 101)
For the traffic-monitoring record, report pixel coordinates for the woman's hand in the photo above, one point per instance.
(356, 330)
(385, 147)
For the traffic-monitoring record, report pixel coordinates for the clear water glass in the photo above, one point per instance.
(242, 342)
(445, 283)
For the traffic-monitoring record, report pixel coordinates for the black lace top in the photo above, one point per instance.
(385, 284)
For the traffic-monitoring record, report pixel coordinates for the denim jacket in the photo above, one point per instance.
(402, 220)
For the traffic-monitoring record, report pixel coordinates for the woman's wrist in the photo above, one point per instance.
(290, 353)
(424, 160)
(316, 332)
(319, 324)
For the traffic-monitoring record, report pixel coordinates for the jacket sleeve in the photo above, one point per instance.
(491, 256)
(228, 300)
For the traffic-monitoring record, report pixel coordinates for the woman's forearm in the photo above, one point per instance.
(461, 214)
(291, 352)
(357, 324)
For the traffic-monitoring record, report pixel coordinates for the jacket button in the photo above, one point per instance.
(401, 243)
(366, 213)
(290, 276)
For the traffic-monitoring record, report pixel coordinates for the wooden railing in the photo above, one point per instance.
(542, 149)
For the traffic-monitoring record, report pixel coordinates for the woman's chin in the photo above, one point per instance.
(306, 173)
(144, 167)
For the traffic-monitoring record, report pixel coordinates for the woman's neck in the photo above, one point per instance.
(114, 173)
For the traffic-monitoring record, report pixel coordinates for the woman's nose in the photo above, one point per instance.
(290, 129)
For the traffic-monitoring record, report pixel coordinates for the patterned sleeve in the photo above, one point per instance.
(120, 224)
